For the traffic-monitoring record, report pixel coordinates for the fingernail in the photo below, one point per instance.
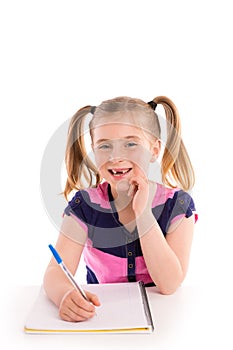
(130, 190)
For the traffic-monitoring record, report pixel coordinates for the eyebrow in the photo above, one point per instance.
(125, 138)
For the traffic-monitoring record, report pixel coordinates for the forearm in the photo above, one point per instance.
(162, 263)
(56, 284)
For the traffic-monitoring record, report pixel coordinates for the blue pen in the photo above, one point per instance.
(67, 272)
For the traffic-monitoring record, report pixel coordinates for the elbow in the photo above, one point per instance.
(169, 289)
(170, 285)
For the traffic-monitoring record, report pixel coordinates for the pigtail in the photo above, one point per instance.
(78, 165)
(176, 166)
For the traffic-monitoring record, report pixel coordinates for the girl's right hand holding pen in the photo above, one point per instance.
(74, 308)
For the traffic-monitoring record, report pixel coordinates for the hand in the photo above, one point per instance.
(75, 308)
(142, 191)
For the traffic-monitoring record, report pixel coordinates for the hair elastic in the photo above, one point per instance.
(93, 108)
(152, 104)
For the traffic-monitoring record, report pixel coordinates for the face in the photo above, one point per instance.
(122, 150)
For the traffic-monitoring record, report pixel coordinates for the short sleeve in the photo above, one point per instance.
(75, 206)
(78, 208)
(182, 205)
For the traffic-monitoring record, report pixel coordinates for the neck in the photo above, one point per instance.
(123, 205)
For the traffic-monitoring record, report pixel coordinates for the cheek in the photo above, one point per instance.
(100, 159)
(142, 159)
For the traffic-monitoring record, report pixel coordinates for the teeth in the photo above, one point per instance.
(115, 172)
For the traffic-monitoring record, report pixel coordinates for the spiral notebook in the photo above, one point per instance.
(124, 309)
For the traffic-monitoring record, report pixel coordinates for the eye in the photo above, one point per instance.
(104, 146)
(131, 144)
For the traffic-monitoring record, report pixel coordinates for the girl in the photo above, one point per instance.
(128, 227)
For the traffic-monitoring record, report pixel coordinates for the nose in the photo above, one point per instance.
(117, 152)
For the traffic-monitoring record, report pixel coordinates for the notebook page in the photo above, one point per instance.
(121, 308)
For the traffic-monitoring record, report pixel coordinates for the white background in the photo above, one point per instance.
(57, 56)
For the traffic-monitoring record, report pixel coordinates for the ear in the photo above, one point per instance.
(156, 148)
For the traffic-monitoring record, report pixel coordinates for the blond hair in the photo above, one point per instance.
(176, 167)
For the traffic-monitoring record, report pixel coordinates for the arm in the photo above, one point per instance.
(72, 306)
(166, 258)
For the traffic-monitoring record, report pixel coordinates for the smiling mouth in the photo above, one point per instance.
(119, 172)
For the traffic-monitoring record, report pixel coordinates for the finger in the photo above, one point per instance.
(74, 306)
(82, 303)
(70, 316)
(135, 185)
(93, 299)
(71, 311)
(133, 188)
(75, 315)
(138, 182)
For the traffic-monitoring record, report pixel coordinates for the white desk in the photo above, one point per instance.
(192, 318)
